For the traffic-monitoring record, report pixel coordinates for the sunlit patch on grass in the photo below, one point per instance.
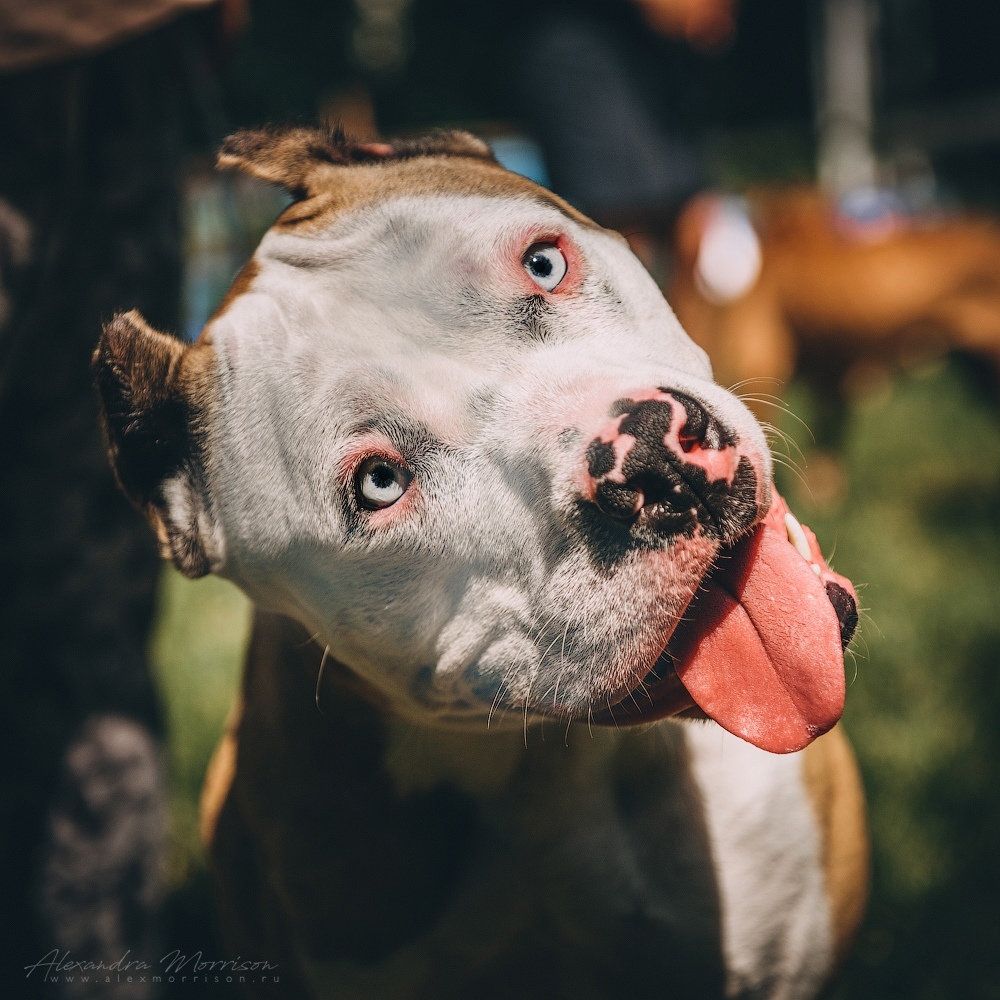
(197, 652)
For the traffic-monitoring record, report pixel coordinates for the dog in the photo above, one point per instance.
(833, 299)
(501, 529)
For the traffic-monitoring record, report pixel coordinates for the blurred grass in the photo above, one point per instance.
(918, 526)
(197, 653)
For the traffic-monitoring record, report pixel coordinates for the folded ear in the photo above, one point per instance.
(154, 393)
(300, 159)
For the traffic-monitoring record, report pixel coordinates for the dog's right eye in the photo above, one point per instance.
(380, 482)
(545, 264)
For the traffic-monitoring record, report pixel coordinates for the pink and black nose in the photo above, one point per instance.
(664, 462)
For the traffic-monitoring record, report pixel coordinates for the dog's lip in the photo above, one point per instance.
(660, 695)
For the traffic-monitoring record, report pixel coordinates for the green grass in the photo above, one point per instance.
(918, 526)
(197, 653)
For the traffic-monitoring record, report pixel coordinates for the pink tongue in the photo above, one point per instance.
(759, 650)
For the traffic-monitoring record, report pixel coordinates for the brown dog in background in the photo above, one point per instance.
(831, 300)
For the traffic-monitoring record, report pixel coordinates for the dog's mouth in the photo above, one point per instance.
(760, 647)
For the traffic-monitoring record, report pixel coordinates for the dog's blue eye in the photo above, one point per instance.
(545, 264)
(380, 482)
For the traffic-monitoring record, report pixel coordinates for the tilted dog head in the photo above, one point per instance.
(451, 426)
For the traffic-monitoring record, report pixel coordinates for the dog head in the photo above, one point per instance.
(452, 427)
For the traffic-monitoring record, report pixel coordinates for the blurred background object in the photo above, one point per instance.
(816, 136)
(845, 109)
(834, 290)
(96, 116)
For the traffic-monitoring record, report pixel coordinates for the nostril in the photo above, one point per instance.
(625, 500)
(701, 429)
(653, 489)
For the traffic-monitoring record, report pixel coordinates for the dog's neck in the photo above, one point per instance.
(305, 697)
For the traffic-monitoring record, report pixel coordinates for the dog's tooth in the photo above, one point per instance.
(817, 569)
(798, 538)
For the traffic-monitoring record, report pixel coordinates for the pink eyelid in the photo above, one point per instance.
(568, 249)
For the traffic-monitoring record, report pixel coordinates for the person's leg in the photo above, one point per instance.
(605, 150)
(91, 163)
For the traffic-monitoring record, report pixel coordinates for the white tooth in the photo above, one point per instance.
(816, 569)
(798, 538)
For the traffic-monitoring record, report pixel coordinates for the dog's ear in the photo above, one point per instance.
(289, 157)
(298, 158)
(153, 391)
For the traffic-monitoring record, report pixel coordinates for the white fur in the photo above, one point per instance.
(777, 935)
(406, 309)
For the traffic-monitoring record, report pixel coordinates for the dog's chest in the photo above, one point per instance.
(599, 868)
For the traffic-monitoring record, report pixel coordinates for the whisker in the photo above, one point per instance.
(785, 438)
(753, 378)
(496, 699)
(776, 403)
(526, 694)
(319, 679)
(784, 463)
(854, 660)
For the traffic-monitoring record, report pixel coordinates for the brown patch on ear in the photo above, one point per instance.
(150, 385)
(299, 158)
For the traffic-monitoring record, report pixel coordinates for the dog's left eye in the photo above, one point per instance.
(545, 264)
(379, 483)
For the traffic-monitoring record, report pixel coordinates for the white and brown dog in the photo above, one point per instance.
(450, 439)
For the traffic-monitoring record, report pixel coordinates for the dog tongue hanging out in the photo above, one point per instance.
(760, 649)
(448, 436)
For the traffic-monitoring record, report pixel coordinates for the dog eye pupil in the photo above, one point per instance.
(546, 264)
(540, 265)
(382, 477)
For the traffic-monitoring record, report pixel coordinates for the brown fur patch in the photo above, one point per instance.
(219, 778)
(330, 174)
(243, 282)
(834, 786)
(292, 156)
